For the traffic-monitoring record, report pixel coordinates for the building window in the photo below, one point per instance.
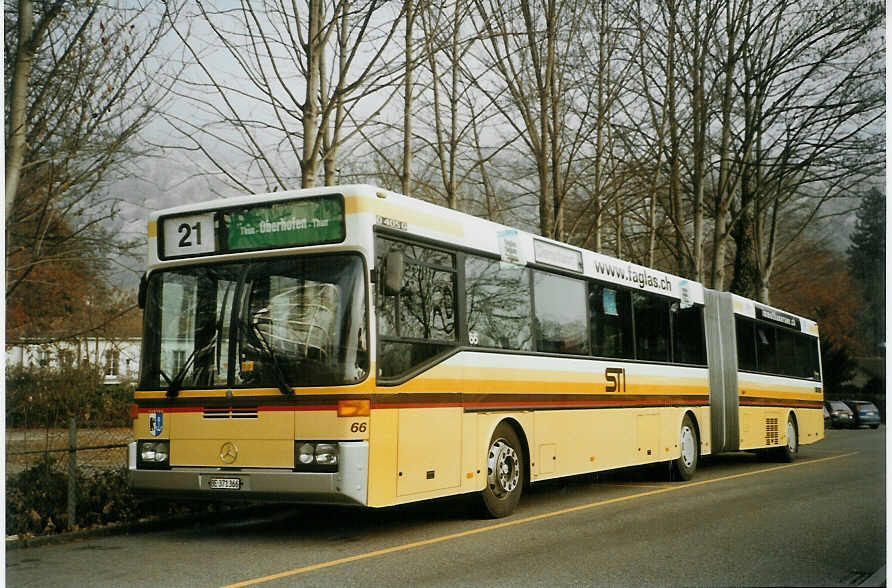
(179, 360)
(112, 359)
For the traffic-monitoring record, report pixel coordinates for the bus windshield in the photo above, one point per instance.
(283, 322)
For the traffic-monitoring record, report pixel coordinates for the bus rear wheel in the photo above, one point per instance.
(504, 472)
(686, 464)
(788, 452)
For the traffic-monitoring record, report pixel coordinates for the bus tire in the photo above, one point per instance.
(505, 472)
(788, 452)
(685, 465)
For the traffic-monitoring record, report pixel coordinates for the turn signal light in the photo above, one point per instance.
(354, 408)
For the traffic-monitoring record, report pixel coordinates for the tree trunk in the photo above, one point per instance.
(309, 163)
(15, 142)
(406, 175)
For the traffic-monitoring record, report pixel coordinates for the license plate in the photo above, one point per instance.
(226, 483)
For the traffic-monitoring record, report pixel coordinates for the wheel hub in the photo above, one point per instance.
(688, 451)
(503, 467)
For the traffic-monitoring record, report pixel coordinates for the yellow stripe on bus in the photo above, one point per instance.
(357, 204)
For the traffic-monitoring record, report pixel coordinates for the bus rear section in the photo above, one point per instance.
(765, 377)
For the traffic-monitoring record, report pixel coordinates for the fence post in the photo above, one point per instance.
(72, 473)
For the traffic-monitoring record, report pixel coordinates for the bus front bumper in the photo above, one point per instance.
(349, 485)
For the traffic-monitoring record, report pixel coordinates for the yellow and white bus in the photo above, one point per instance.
(354, 345)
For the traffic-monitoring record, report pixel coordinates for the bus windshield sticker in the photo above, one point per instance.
(558, 256)
(189, 235)
(686, 300)
(509, 247)
(286, 224)
(609, 301)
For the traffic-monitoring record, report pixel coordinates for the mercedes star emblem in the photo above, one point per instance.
(228, 452)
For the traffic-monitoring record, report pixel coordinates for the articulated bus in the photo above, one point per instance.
(352, 345)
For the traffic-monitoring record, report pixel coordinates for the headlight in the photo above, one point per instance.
(153, 454)
(327, 454)
(306, 454)
(315, 456)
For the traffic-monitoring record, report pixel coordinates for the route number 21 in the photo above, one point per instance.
(186, 230)
(189, 235)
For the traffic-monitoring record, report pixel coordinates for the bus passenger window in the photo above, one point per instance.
(806, 357)
(746, 344)
(418, 323)
(786, 353)
(687, 329)
(651, 327)
(498, 300)
(766, 349)
(610, 322)
(560, 314)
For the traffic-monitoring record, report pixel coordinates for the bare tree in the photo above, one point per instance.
(83, 82)
(811, 95)
(531, 46)
(300, 73)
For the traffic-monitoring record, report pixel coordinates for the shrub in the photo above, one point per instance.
(37, 500)
(50, 396)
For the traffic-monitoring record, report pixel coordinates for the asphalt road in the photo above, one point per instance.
(819, 521)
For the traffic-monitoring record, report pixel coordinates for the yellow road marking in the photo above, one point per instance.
(530, 519)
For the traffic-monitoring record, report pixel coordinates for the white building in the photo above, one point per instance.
(119, 358)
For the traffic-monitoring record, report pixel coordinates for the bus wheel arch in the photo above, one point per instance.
(508, 465)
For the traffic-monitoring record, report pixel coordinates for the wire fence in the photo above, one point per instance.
(93, 448)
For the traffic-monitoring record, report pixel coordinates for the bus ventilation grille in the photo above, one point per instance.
(230, 413)
(772, 436)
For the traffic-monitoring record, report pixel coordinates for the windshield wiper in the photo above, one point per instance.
(277, 369)
(173, 389)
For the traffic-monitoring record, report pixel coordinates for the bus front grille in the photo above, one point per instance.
(230, 413)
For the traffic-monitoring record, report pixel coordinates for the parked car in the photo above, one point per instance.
(840, 414)
(826, 418)
(864, 413)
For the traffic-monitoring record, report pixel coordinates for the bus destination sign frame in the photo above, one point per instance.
(287, 223)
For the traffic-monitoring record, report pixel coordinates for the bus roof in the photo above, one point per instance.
(756, 310)
(376, 207)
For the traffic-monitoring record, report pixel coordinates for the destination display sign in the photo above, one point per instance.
(271, 225)
(291, 223)
(775, 316)
(557, 256)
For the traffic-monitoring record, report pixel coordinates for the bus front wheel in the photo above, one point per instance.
(504, 472)
(686, 463)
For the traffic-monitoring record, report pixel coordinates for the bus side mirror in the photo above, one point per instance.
(394, 266)
(143, 287)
